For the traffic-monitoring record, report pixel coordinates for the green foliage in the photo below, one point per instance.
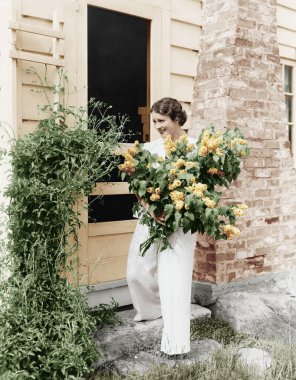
(46, 328)
(181, 188)
(104, 314)
(218, 330)
(226, 159)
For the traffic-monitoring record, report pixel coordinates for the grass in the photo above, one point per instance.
(224, 364)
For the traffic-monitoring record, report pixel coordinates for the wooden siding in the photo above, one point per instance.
(185, 36)
(175, 42)
(38, 43)
(286, 16)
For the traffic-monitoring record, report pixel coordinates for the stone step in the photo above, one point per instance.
(130, 337)
(143, 361)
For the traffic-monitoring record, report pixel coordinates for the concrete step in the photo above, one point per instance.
(129, 337)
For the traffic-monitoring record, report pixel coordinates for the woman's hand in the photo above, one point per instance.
(159, 219)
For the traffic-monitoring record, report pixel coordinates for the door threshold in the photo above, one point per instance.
(97, 294)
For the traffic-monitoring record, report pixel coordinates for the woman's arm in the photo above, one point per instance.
(158, 219)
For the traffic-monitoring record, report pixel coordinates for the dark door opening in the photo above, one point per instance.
(118, 64)
(118, 74)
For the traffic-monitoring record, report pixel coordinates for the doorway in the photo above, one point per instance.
(118, 67)
(118, 53)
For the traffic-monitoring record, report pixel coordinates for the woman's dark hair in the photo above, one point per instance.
(170, 107)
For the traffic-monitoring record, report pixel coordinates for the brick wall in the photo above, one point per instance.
(239, 84)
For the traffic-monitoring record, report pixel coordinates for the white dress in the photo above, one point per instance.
(160, 284)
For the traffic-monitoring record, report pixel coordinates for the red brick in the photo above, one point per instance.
(245, 90)
(231, 276)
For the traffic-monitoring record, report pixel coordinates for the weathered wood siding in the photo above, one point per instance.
(286, 20)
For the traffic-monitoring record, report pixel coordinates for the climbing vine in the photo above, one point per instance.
(46, 330)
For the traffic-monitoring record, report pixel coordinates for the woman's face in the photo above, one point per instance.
(166, 126)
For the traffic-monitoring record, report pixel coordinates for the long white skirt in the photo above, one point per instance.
(160, 285)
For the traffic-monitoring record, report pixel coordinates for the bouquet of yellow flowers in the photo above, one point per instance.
(181, 187)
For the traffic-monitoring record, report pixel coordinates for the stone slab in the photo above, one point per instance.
(129, 337)
(204, 293)
(196, 312)
(116, 341)
(143, 361)
(267, 316)
(201, 350)
(255, 357)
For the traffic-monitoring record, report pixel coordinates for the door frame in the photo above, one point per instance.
(158, 12)
(159, 15)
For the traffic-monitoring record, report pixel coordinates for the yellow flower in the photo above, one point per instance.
(150, 190)
(189, 188)
(186, 206)
(132, 151)
(157, 190)
(209, 202)
(238, 141)
(205, 137)
(127, 167)
(180, 163)
(213, 171)
(238, 211)
(230, 231)
(218, 152)
(242, 206)
(160, 159)
(182, 139)
(177, 196)
(203, 150)
(173, 172)
(190, 147)
(179, 205)
(193, 179)
(154, 197)
(169, 145)
(199, 193)
(175, 184)
(190, 164)
(200, 186)
(210, 143)
(197, 189)
(213, 143)
(128, 157)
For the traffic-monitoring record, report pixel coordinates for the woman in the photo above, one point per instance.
(160, 284)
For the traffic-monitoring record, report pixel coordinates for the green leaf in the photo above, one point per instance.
(208, 212)
(142, 188)
(152, 208)
(176, 223)
(189, 215)
(186, 223)
(168, 209)
(178, 216)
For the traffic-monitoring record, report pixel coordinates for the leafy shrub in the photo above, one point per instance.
(105, 314)
(46, 329)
